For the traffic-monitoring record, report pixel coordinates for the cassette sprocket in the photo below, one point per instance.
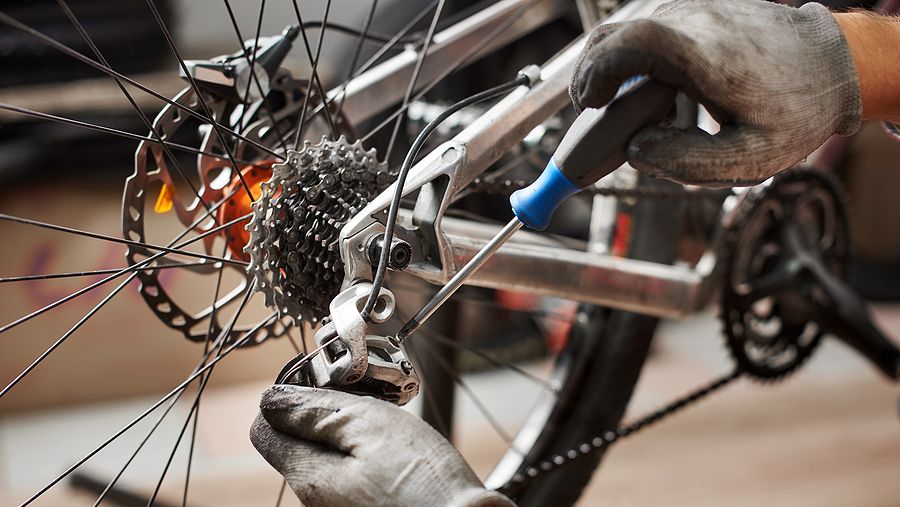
(293, 246)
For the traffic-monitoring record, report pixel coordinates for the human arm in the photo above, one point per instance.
(874, 42)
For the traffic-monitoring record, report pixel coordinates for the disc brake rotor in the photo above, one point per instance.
(157, 188)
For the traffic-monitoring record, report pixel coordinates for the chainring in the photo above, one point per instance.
(765, 341)
(293, 248)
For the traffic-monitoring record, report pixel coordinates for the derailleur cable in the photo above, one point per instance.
(390, 224)
(523, 78)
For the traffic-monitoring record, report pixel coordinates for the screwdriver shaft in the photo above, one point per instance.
(461, 276)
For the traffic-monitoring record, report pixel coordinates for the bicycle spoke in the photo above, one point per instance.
(410, 87)
(281, 492)
(488, 416)
(253, 77)
(183, 385)
(452, 68)
(108, 279)
(196, 409)
(14, 23)
(143, 442)
(356, 53)
(72, 274)
(314, 76)
(398, 37)
(293, 341)
(200, 99)
(109, 130)
(194, 406)
(67, 334)
(114, 239)
(434, 335)
(204, 357)
(430, 398)
(190, 460)
(147, 123)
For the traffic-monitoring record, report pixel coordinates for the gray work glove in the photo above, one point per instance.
(779, 80)
(339, 449)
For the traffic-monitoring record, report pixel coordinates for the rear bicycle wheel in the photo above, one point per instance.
(217, 324)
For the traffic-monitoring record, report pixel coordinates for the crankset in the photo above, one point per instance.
(784, 255)
(783, 287)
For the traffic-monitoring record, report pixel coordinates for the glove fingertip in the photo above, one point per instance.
(643, 150)
(281, 396)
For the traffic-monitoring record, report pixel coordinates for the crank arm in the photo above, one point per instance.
(838, 309)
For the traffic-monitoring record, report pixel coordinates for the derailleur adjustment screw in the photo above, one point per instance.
(398, 258)
(406, 366)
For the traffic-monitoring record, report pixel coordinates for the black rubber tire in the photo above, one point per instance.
(607, 349)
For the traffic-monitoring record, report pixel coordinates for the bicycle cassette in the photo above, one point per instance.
(782, 232)
(293, 248)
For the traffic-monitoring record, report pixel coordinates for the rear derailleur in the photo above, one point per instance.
(355, 361)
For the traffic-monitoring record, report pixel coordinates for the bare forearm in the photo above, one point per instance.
(874, 42)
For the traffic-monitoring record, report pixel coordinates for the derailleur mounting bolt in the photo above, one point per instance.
(399, 256)
(406, 366)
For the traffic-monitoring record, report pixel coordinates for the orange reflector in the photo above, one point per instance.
(164, 201)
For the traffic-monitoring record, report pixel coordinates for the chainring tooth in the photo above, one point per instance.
(773, 355)
(296, 222)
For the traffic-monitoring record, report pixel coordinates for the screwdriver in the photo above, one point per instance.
(594, 146)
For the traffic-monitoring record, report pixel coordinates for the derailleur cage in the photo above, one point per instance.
(358, 362)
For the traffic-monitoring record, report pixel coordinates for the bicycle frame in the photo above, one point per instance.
(529, 262)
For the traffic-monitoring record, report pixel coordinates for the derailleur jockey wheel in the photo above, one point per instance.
(766, 338)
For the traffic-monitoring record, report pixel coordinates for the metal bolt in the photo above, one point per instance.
(399, 256)
(406, 366)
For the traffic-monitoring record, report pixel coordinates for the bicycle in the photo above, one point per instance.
(317, 213)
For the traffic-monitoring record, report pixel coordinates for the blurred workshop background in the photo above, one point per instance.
(829, 436)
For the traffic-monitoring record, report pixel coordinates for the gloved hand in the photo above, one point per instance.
(779, 80)
(339, 449)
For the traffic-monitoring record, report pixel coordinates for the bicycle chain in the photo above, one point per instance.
(604, 440)
(607, 438)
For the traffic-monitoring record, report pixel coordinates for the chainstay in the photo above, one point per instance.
(606, 439)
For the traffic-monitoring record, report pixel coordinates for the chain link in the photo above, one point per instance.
(604, 440)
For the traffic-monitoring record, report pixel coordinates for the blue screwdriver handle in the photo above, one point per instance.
(594, 146)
